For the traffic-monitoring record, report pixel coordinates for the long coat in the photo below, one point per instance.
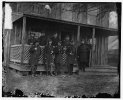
(82, 53)
(48, 54)
(58, 55)
(71, 55)
(35, 54)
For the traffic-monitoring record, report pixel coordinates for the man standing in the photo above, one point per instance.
(48, 57)
(55, 40)
(82, 55)
(31, 40)
(71, 57)
(66, 44)
(34, 57)
(42, 39)
(58, 58)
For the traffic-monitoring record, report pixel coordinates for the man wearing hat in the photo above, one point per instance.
(71, 57)
(31, 40)
(55, 39)
(58, 58)
(35, 52)
(66, 42)
(82, 55)
(49, 57)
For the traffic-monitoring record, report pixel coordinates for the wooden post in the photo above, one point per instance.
(93, 36)
(98, 53)
(7, 33)
(23, 38)
(15, 33)
(7, 47)
(78, 34)
(106, 51)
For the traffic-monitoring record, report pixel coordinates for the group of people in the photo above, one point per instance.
(55, 47)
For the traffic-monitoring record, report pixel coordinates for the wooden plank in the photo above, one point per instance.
(106, 50)
(93, 36)
(15, 33)
(99, 51)
(96, 51)
(78, 33)
(97, 48)
(23, 38)
(102, 50)
(9, 45)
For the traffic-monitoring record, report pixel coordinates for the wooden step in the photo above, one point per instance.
(103, 67)
(98, 73)
(100, 70)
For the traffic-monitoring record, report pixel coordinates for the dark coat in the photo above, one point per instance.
(66, 43)
(42, 40)
(48, 54)
(35, 54)
(31, 41)
(55, 41)
(58, 55)
(82, 53)
(71, 55)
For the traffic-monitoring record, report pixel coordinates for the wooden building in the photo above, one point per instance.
(73, 19)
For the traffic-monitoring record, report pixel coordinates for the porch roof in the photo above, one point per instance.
(99, 30)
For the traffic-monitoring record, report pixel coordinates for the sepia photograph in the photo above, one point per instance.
(61, 49)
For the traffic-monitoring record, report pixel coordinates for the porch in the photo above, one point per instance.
(19, 52)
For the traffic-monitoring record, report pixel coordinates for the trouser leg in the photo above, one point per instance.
(68, 68)
(83, 66)
(50, 69)
(32, 68)
(71, 69)
(46, 67)
(35, 68)
(56, 68)
(80, 64)
(59, 67)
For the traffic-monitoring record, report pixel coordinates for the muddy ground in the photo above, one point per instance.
(63, 85)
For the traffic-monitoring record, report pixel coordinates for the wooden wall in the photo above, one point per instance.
(16, 34)
(67, 12)
(101, 50)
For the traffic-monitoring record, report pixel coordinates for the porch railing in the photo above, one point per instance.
(15, 54)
